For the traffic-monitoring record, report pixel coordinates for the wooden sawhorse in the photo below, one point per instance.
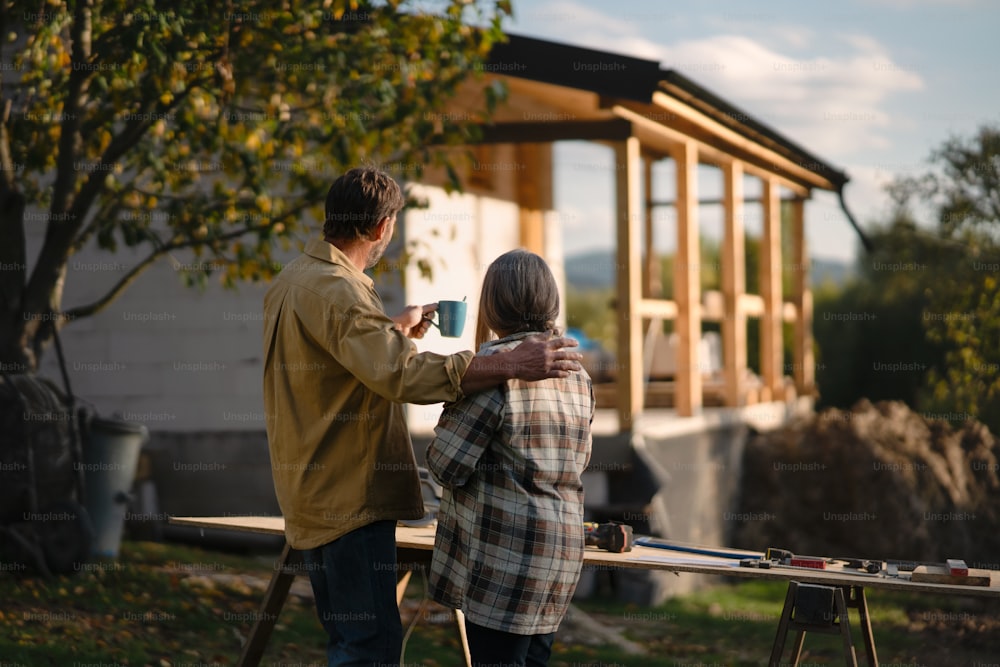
(843, 597)
(290, 564)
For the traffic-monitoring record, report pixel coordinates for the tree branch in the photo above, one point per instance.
(129, 278)
(112, 208)
(120, 145)
(80, 34)
(51, 264)
(119, 287)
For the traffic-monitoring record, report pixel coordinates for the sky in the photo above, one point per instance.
(869, 86)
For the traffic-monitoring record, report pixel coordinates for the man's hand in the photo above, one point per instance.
(542, 356)
(537, 358)
(414, 321)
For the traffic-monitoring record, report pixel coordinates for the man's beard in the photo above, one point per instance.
(375, 254)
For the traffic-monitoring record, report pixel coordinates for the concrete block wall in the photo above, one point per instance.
(178, 359)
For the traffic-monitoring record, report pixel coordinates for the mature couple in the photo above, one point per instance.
(509, 448)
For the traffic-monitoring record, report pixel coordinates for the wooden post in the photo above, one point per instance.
(734, 323)
(534, 193)
(770, 287)
(629, 283)
(687, 283)
(652, 286)
(805, 362)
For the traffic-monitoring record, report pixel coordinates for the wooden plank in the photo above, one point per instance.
(652, 286)
(558, 129)
(771, 364)
(654, 134)
(804, 359)
(274, 599)
(734, 322)
(713, 307)
(715, 201)
(752, 305)
(779, 164)
(661, 308)
(938, 574)
(422, 539)
(629, 282)
(534, 194)
(402, 581)
(687, 283)
(265, 525)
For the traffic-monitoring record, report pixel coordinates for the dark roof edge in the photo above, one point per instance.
(738, 120)
(601, 72)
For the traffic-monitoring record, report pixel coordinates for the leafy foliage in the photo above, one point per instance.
(922, 321)
(212, 127)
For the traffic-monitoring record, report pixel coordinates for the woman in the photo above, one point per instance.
(509, 544)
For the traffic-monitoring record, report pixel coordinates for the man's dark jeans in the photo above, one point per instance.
(354, 581)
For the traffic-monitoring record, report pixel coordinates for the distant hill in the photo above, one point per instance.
(596, 270)
(591, 270)
(830, 270)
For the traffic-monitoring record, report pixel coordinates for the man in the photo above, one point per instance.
(336, 373)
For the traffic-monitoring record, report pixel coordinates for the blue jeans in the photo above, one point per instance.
(495, 648)
(354, 581)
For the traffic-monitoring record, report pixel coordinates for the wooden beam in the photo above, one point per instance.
(659, 308)
(687, 283)
(771, 366)
(789, 312)
(753, 306)
(547, 131)
(651, 283)
(534, 193)
(780, 164)
(629, 285)
(794, 187)
(716, 201)
(667, 139)
(734, 324)
(804, 369)
(712, 306)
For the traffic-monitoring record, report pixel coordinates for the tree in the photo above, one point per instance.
(871, 334)
(208, 127)
(921, 322)
(963, 316)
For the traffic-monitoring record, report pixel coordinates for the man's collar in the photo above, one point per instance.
(327, 252)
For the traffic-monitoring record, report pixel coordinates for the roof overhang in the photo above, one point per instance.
(585, 90)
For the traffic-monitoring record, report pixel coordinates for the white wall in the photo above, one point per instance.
(172, 357)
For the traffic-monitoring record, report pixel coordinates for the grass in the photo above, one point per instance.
(168, 605)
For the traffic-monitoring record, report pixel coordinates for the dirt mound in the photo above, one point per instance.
(876, 481)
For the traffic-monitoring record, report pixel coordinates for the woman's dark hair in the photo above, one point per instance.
(519, 294)
(359, 200)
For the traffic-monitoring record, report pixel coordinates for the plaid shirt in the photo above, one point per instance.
(509, 544)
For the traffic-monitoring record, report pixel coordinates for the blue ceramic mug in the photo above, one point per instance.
(451, 318)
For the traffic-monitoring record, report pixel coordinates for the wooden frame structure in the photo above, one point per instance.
(646, 114)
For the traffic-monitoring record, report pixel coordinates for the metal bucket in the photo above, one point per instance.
(110, 455)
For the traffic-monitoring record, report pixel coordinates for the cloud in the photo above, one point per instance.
(568, 22)
(833, 103)
(913, 4)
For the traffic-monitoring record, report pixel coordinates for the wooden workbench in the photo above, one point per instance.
(415, 545)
